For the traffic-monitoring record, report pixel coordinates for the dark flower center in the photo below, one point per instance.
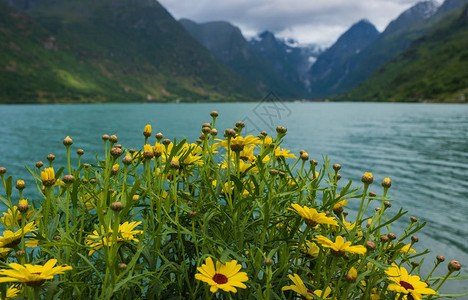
(406, 285)
(311, 223)
(220, 278)
(37, 282)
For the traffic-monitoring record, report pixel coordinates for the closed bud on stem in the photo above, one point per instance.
(175, 164)
(159, 136)
(113, 139)
(118, 146)
(199, 141)
(269, 262)
(387, 204)
(92, 180)
(273, 172)
(80, 152)
(454, 266)
(20, 253)
(116, 206)
(440, 258)
(127, 160)
(414, 239)
(281, 130)
(367, 178)
(352, 275)
(386, 183)
(413, 219)
(147, 131)
(105, 137)
(372, 194)
(391, 236)
(166, 142)
(2, 170)
(230, 133)
(122, 266)
(84, 181)
(206, 125)
(206, 130)
(39, 164)
(345, 213)
(414, 263)
(193, 213)
(214, 114)
(305, 156)
(116, 152)
(377, 209)
(86, 166)
(313, 162)
(384, 238)
(68, 179)
(131, 151)
(20, 185)
(214, 132)
(264, 133)
(338, 176)
(240, 124)
(370, 245)
(67, 141)
(336, 167)
(23, 206)
(50, 157)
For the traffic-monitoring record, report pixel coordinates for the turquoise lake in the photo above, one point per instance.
(423, 148)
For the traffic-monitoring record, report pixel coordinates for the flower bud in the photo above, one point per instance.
(68, 179)
(122, 266)
(454, 266)
(214, 114)
(80, 152)
(372, 194)
(116, 206)
(2, 170)
(414, 239)
(206, 130)
(20, 253)
(131, 151)
(440, 258)
(84, 180)
(281, 130)
(387, 204)
(136, 197)
(116, 152)
(113, 139)
(206, 125)
(230, 133)
(336, 167)
(269, 262)
(387, 183)
(240, 124)
(86, 165)
(127, 160)
(264, 133)
(166, 142)
(352, 275)
(367, 178)
(105, 137)
(391, 236)
(273, 172)
(23, 205)
(57, 237)
(314, 162)
(159, 136)
(175, 164)
(345, 213)
(48, 177)
(92, 180)
(193, 213)
(50, 157)
(414, 263)
(305, 156)
(370, 245)
(115, 169)
(377, 209)
(384, 238)
(147, 131)
(118, 146)
(199, 141)
(20, 185)
(39, 164)
(67, 141)
(338, 176)
(214, 132)
(281, 174)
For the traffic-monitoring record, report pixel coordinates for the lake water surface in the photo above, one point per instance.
(423, 148)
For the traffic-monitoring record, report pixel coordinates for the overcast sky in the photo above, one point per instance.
(307, 21)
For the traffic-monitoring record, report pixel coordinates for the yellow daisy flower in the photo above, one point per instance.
(311, 216)
(32, 275)
(48, 176)
(310, 249)
(339, 247)
(284, 153)
(267, 141)
(8, 218)
(12, 292)
(238, 143)
(225, 276)
(247, 154)
(300, 288)
(407, 284)
(407, 249)
(11, 239)
(126, 233)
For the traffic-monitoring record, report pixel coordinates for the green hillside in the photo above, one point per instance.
(433, 68)
(87, 51)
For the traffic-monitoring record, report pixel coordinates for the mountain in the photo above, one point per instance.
(107, 50)
(228, 44)
(334, 63)
(398, 35)
(451, 5)
(287, 58)
(433, 68)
